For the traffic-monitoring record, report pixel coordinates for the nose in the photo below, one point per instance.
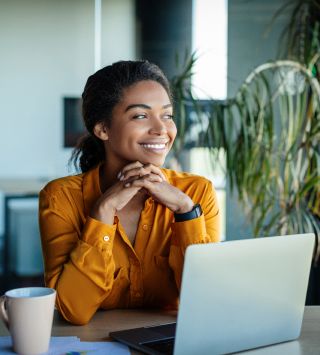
(158, 127)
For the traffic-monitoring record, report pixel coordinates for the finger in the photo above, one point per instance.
(129, 183)
(150, 177)
(155, 170)
(139, 172)
(143, 182)
(153, 178)
(130, 166)
(132, 178)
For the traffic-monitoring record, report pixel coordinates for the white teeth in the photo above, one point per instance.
(154, 146)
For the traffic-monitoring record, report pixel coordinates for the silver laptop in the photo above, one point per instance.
(235, 296)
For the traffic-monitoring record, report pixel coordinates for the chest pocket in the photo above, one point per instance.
(165, 291)
(164, 268)
(118, 295)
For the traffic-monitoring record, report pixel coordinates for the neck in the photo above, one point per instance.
(108, 175)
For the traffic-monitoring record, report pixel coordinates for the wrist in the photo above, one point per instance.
(104, 212)
(186, 206)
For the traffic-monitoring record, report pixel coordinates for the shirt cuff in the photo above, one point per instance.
(98, 234)
(189, 232)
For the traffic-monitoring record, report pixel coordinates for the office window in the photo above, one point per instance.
(201, 164)
(209, 39)
(210, 82)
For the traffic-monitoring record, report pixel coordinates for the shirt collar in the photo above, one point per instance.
(91, 188)
(168, 177)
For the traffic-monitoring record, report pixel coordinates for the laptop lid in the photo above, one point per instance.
(243, 294)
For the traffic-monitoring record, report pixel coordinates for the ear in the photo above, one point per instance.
(100, 131)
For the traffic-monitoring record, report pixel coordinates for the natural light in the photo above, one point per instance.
(210, 82)
(209, 40)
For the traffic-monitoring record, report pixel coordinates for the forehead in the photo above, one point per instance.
(145, 92)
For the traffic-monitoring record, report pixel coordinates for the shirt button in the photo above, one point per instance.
(106, 238)
(145, 227)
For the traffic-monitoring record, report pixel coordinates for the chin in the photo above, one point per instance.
(157, 161)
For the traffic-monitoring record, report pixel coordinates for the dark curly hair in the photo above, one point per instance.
(103, 90)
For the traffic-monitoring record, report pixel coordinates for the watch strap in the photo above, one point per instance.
(194, 213)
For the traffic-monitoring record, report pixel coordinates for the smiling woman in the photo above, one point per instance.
(144, 129)
(115, 235)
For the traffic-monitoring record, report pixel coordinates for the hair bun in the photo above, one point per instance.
(88, 153)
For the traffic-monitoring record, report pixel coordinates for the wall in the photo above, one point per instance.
(47, 52)
(118, 31)
(248, 47)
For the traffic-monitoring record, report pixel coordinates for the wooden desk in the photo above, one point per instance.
(106, 321)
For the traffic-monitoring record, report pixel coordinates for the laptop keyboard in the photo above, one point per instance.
(161, 346)
(168, 330)
(164, 346)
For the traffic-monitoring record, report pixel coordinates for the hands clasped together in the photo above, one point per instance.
(133, 178)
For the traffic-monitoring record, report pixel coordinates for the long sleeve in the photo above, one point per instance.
(204, 229)
(78, 263)
(93, 265)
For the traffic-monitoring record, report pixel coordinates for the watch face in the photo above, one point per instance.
(198, 210)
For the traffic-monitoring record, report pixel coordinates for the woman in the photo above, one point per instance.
(115, 235)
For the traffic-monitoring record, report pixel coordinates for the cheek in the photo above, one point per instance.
(126, 134)
(172, 130)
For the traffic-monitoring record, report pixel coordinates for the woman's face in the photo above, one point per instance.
(142, 127)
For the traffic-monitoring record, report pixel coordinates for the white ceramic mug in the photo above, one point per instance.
(28, 314)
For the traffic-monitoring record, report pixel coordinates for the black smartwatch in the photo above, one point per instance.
(194, 213)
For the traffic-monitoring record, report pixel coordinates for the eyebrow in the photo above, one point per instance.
(144, 106)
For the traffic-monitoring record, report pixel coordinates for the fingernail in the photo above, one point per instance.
(119, 174)
(127, 184)
(121, 177)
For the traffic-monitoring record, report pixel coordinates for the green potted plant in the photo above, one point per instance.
(270, 132)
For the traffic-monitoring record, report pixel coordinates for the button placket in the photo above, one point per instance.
(136, 282)
(144, 228)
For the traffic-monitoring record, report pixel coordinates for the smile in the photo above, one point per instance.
(154, 146)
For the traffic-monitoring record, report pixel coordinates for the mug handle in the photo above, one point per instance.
(3, 312)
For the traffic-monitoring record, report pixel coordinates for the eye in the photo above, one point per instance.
(139, 116)
(168, 116)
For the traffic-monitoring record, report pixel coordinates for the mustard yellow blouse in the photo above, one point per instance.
(93, 265)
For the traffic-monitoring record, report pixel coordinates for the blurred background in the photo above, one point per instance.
(209, 50)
